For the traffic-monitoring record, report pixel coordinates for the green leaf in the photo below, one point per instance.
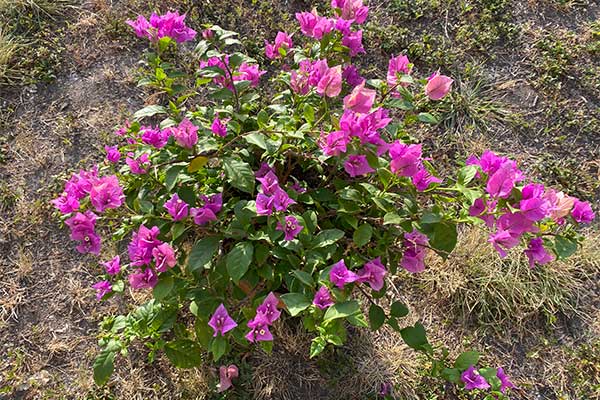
(104, 365)
(386, 176)
(118, 286)
(442, 236)
(197, 163)
(295, 303)
(212, 72)
(201, 48)
(184, 353)
(466, 359)
(431, 218)
(399, 309)
(235, 60)
(317, 346)
(470, 194)
(240, 174)
(164, 42)
(239, 259)
(267, 346)
(376, 316)
(202, 252)
(149, 111)
(358, 320)
(402, 104)
(427, 118)
(257, 139)
(204, 333)
(334, 339)
(451, 375)
(304, 277)
(177, 230)
(327, 237)
(341, 310)
(392, 218)
(490, 375)
(466, 174)
(222, 94)
(145, 206)
(163, 287)
(363, 235)
(414, 336)
(171, 176)
(310, 220)
(160, 74)
(564, 246)
(394, 324)
(262, 119)
(309, 113)
(218, 347)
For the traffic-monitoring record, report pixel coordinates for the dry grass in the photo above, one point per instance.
(49, 8)
(8, 49)
(354, 371)
(476, 285)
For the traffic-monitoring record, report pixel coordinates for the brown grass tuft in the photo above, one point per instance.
(475, 284)
(354, 371)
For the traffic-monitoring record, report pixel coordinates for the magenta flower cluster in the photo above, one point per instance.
(150, 255)
(512, 217)
(350, 12)
(83, 227)
(372, 273)
(170, 25)
(209, 209)
(103, 193)
(358, 121)
(283, 42)
(185, 134)
(207, 212)
(473, 380)
(290, 227)
(415, 251)
(266, 314)
(272, 197)
(245, 72)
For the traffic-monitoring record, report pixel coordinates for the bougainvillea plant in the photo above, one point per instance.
(242, 198)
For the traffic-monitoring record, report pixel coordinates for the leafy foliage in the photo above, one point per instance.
(343, 200)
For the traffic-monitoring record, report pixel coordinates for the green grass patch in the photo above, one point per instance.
(30, 40)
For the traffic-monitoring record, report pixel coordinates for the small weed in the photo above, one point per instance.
(585, 369)
(433, 49)
(582, 180)
(414, 9)
(555, 60)
(474, 106)
(390, 38)
(487, 23)
(8, 198)
(30, 41)
(568, 5)
(12, 377)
